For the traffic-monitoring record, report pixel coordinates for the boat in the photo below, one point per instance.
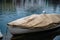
(1, 35)
(34, 23)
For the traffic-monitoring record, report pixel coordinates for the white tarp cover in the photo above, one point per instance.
(37, 21)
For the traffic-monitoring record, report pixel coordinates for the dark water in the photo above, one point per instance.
(9, 12)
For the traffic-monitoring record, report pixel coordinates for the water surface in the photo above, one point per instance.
(10, 11)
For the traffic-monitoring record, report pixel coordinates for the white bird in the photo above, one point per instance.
(44, 12)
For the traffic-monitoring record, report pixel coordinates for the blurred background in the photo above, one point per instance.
(14, 9)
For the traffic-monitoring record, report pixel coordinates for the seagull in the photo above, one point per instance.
(43, 12)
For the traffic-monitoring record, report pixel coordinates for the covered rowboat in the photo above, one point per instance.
(34, 23)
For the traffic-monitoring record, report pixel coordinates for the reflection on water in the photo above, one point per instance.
(11, 10)
(57, 38)
(55, 4)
